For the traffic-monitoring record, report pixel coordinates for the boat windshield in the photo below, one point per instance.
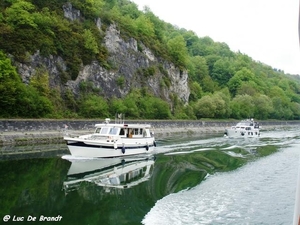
(104, 130)
(113, 131)
(244, 123)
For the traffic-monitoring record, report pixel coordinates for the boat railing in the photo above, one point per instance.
(120, 118)
(97, 137)
(74, 134)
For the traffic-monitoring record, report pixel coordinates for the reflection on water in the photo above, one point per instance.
(191, 175)
(109, 173)
(10, 152)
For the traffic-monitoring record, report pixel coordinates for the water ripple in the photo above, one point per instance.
(261, 192)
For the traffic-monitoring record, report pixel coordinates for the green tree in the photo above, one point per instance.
(220, 106)
(208, 85)
(222, 100)
(117, 106)
(145, 26)
(94, 106)
(40, 81)
(31, 105)
(223, 50)
(222, 71)
(16, 100)
(10, 86)
(263, 107)
(70, 100)
(198, 68)
(90, 8)
(282, 109)
(205, 107)
(155, 108)
(130, 102)
(202, 47)
(295, 107)
(210, 60)
(178, 51)
(195, 91)
(242, 107)
(19, 14)
(241, 61)
(130, 9)
(239, 77)
(90, 42)
(247, 88)
(158, 25)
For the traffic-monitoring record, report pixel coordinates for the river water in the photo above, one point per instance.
(191, 179)
(260, 192)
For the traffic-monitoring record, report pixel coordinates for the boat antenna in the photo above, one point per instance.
(119, 118)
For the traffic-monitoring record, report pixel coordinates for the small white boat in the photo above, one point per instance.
(245, 128)
(117, 173)
(113, 140)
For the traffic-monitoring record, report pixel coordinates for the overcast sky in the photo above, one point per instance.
(265, 30)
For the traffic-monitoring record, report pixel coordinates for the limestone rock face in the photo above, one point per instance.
(130, 63)
(70, 12)
(53, 65)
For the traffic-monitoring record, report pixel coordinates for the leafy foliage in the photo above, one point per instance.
(16, 100)
(222, 83)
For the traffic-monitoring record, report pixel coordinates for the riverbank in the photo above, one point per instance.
(54, 137)
(24, 132)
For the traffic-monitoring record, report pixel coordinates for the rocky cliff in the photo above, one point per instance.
(133, 66)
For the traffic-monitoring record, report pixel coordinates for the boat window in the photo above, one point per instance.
(141, 131)
(104, 130)
(122, 131)
(122, 178)
(136, 131)
(97, 130)
(114, 180)
(113, 130)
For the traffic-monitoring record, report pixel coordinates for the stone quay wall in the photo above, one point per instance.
(20, 132)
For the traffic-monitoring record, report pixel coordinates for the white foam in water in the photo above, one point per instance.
(188, 152)
(261, 192)
(231, 147)
(186, 147)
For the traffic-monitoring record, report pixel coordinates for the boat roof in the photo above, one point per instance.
(122, 125)
(245, 123)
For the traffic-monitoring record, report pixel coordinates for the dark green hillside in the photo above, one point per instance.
(222, 83)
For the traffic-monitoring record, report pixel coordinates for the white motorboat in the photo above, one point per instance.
(117, 173)
(113, 140)
(245, 128)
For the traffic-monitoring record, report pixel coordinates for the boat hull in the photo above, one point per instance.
(82, 149)
(241, 133)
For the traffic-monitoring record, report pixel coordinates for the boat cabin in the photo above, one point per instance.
(247, 125)
(123, 130)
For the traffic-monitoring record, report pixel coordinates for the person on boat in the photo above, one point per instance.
(130, 133)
